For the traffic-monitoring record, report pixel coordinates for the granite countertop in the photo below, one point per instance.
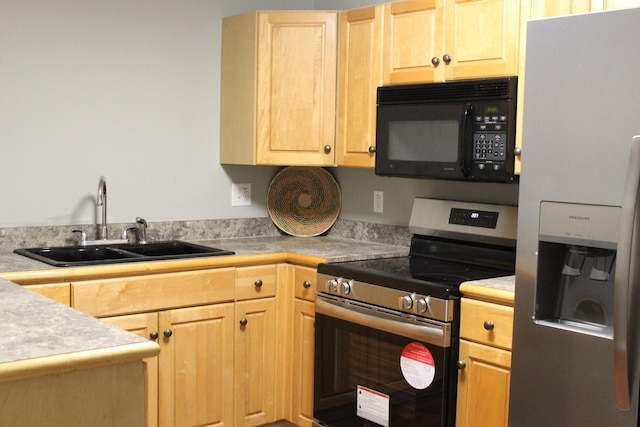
(333, 249)
(36, 327)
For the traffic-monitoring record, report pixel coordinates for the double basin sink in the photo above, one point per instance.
(70, 256)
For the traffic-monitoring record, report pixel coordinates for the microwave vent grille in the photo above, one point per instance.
(471, 90)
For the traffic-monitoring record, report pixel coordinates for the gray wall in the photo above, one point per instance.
(130, 90)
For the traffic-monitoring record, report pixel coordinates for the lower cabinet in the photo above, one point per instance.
(255, 362)
(236, 343)
(303, 349)
(486, 331)
(483, 386)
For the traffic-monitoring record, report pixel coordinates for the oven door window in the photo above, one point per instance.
(358, 372)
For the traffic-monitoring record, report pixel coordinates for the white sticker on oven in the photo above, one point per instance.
(373, 406)
(417, 365)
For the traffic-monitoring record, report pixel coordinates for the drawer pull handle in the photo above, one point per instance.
(258, 283)
(461, 364)
(154, 335)
(167, 333)
(489, 325)
(306, 284)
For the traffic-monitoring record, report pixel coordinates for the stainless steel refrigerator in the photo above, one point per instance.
(575, 359)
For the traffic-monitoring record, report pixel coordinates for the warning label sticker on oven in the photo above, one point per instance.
(417, 365)
(373, 406)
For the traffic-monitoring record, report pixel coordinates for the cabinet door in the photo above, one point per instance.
(296, 88)
(146, 326)
(413, 34)
(196, 366)
(481, 38)
(360, 74)
(303, 351)
(255, 344)
(483, 386)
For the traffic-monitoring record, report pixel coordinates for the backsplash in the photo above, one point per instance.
(26, 237)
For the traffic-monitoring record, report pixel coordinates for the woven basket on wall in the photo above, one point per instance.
(304, 201)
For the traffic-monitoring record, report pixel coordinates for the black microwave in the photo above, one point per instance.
(461, 130)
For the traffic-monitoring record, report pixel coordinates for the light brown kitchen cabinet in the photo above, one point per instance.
(359, 75)
(278, 88)
(146, 326)
(60, 292)
(196, 373)
(486, 332)
(434, 40)
(255, 350)
(193, 375)
(303, 351)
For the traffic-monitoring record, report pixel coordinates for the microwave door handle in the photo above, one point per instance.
(467, 149)
(625, 278)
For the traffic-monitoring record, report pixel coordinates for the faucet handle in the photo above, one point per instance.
(125, 234)
(142, 229)
(83, 236)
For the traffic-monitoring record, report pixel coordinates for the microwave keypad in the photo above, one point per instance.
(489, 138)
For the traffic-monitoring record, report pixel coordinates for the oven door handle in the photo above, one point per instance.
(432, 334)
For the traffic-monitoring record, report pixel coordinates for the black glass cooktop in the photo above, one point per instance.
(438, 265)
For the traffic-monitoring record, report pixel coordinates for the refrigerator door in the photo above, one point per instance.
(627, 281)
(581, 110)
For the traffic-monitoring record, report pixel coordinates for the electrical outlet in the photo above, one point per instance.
(240, 194)
(378, 201)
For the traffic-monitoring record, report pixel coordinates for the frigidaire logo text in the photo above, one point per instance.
(579, 218)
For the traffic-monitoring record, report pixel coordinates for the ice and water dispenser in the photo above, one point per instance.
(576, 267)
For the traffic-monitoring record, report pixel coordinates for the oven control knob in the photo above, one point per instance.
(422, 305)
(333, 285)
(345, 288)
(407, 302)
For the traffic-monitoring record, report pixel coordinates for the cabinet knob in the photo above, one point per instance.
(327, 149)
(154, 335)
(461, 364)
(446, 58)
(372, 149)
(306, 284)
(517, 151)
(167, 333)
(488, 325)
(243, 322)
(258, 283)
(435, 61)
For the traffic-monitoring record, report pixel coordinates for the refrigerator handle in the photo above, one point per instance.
(623, 278)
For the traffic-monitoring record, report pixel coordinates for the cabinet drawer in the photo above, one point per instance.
(136, 294)
(56, 291)
(305, 283)
(487, 323)
(255, 282)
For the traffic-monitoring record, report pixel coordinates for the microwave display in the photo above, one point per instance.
(457, 130)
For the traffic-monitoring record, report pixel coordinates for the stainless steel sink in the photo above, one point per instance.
(69, 256)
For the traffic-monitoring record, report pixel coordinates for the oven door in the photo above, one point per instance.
(376, 367)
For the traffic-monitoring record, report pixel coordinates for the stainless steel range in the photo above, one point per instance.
(387, 330)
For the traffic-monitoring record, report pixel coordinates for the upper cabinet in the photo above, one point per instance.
(434, 40)
(278, 88)
(359, 75)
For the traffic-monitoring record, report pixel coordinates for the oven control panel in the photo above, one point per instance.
(393, 299)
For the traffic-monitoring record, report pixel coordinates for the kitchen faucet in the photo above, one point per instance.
(102, 201)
